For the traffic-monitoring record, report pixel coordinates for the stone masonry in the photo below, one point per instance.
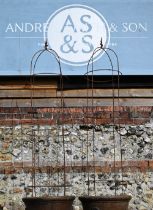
(89, 152)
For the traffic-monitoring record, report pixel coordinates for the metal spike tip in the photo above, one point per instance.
(101, 43)
(46, 45)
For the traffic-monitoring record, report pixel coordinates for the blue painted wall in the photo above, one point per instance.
(131, 34)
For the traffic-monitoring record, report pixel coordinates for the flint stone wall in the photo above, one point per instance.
(89, 159)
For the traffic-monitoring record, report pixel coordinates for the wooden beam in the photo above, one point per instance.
(25, 93)
(131, 93)
(50, 92)
(75, 102)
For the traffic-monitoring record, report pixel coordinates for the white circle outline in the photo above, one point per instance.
(92, 10)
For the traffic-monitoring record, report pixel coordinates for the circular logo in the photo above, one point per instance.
(74, 31)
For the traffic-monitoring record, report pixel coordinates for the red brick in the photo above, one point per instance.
(151, 164)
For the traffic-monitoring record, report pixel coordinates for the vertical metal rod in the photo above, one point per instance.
(31, 105)
(63, 135)
(58, 162)
(113, 100)
(121, 155)
(87, 142)
(118, 104)
(33, 63)
(71, 168)
(33, 140)
(93, 129)
(113, 117)
(82, 163)
(64, 160)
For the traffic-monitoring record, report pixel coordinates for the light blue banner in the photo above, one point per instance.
(73, 30)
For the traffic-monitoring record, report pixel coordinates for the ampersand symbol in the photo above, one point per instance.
(69, 48)
(113, 27)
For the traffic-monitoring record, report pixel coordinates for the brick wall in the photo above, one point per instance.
(101, 115)
(133, 117)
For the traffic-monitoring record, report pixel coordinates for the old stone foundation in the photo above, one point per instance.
(133, 177)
